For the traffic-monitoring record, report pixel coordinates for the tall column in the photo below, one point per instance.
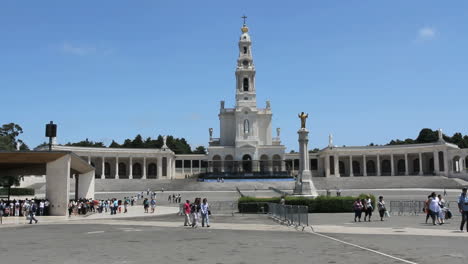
(183, 166)
(103, 176)
(446, 164)
(351, 174)
(199, 166)
(304, 184)
(420, 164)
(327, 166)
(392, 164)
(364, 165)
(144, 168)
(159, 167)
(406, 165)
(460, 165)
(130, 168)
(436, 162)
(169, 168)
(379, 173)
(191, 167)
(336, 161)
(89, 159)
(117, 167)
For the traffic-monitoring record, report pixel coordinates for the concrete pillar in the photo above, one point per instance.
(159, 167)
(406, 165)
(351, 174)
(304, 184)
(116, 167)
(199, 166)
(89, 159)
(58, 185)
(144, 168)
(191, 167)
(446, 164)
(364, 165)
(327, 165)
(86, 185)
(103, 176)
(436, 162)
(336, 162)
(379, 173)
(420, 164)
(169, 168)
(392, 164)
(183, 166)
(460, 164)
(130, 174)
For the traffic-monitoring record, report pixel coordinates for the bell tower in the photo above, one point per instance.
(245, 71)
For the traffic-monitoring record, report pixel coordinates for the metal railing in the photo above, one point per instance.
(417, 207)
(296, 215)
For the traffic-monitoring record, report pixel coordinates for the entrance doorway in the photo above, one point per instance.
(247, 163)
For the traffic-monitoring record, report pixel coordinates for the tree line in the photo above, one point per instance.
(427, 135)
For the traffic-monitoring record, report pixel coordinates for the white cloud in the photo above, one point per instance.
(427, 33)
(77, 49)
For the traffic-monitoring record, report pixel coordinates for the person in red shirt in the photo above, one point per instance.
(187, 213)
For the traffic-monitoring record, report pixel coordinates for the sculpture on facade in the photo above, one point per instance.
(440, 134)
(210, 131)
(330, 140)
(278, 131)
(303, 118)
(222, 104)
(268, 106)
(164, 142)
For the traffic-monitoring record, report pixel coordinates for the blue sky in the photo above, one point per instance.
(366, 71)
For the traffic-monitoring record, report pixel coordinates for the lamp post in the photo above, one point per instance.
(51, 132)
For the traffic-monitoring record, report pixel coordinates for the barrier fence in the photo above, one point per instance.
(416, 207)
(297, 215)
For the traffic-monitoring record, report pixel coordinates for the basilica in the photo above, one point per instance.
(246, 147)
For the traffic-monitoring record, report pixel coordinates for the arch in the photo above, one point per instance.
(216, 163)
(164, 166)
(245, 50)
(263, 163)
(247, 163)
(456, 164)
(107, 170)
(276, 163)
(122, 170)
(342, 168)
(386, 167)
(245, 84)
(416, 166)
(137, 171)
(370, 167)
(152, 171)
(401, 168)
(356, 167)
(228, 163)
(246, 126)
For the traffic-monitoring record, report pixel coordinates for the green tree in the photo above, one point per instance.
(9, 137)
(114, 145)
(8, 181)
(87, 143)
(200, 150)
(427, 135)
(138, 142)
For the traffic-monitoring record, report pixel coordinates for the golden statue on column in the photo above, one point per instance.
(303, 118)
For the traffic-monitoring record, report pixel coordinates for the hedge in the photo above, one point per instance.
(320, 204)
(17, 191)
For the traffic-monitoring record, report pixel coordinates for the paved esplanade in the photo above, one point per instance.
(232, 239)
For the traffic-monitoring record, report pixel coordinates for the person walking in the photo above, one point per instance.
(369, 208)
(381, 207)
(153, 205)
(205, 213)
(357, 206)
(32, 212)
(463, 207)
(434, 208)
(426, 208)
(187, 213)
(442, 209)
(145, 205)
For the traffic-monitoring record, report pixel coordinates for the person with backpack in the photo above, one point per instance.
(145, 205)
(357, 206)
(32, 212)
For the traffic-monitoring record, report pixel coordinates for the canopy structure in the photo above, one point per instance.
(57, 166)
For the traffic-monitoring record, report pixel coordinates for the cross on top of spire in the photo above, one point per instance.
(244, 17)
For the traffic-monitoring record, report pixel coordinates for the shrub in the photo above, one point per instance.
(17, 191)
(320, 204)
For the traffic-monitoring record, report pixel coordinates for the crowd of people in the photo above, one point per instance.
(26, 208)
(366, 206)
(196, 212)
(435, 208)
(174, 198)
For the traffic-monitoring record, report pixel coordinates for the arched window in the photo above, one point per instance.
(152, 171)
(122, 170)
(276, 163)
(246, 84)
(401, 167)
(228, 163)
(246, 126)
(245, 50)
(370, 167)
(341, 167)
(264, 163)
(216, 163)
(386, 167)
(247, 163)
(137, 172)
(356, 168)
(107, 170)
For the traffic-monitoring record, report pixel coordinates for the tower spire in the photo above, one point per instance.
(244, 17)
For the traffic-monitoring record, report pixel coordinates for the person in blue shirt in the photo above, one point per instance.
(463, 207)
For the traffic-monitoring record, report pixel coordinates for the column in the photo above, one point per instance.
(327, 166)
(86, 185)
(130, 168)
(58, 185)
(144, 168)
(159, 167)
(460, 164)
(351, 174)
(364, 165)
(183, 166)
(379, 173)
(392, 164)
(103, 176)
(191, 167)
(199, 166)
(169, 168)
(336, 161)
(89, 159)
(117, 167)
(436, 163)
(446, 165)
(406, 165)
(420, 165)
